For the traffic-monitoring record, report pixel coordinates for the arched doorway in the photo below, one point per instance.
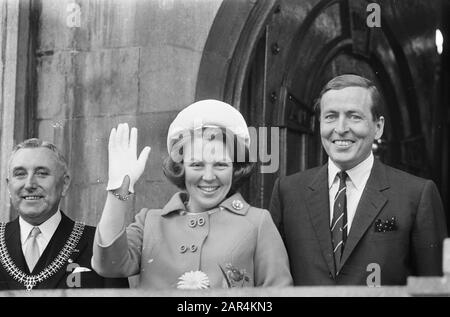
(278, 55)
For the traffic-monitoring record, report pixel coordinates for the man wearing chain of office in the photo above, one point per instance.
(43, 248)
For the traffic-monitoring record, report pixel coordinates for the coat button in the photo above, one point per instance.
(192, 223)
(201, 221)
(183, 248)
(193, 248)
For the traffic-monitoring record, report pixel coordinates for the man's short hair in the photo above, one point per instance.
(37, 143)
(350, 80)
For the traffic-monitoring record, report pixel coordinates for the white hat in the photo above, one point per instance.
(208, 113)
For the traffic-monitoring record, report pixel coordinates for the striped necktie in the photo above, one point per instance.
(339, 223)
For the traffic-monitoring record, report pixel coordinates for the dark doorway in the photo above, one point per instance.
(283, 52)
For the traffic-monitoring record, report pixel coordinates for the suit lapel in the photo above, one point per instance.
(52, 250)
(319, 212)
(371, 202)
(55, 245)
(14, 247)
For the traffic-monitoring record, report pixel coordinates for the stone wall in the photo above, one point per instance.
(132, 61)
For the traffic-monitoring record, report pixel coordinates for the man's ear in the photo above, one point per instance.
(7, 186)
(379, 127)
(66, 184)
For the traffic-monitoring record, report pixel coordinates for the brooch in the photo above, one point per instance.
(386, 225)
(237, 204)
(233, 276)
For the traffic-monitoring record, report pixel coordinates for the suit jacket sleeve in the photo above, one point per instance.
(276, 207)
(271, 259)
(122, 257)
(429, 231)
(91, 279)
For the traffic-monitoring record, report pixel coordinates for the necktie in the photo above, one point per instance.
(339, 223)
(32, 248)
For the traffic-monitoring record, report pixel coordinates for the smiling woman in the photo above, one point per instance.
(210, 169)
(208, 175)
(205, 227)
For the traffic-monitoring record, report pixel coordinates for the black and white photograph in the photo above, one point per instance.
(224, 153)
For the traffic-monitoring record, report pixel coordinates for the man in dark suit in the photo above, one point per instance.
(43, 248)
(356, 221)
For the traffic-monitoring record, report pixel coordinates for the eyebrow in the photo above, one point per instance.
(19, 168)
(356, 111)
(346, 112)
(202, 161)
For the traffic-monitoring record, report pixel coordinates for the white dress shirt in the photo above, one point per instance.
(47, 228)
(356, 182)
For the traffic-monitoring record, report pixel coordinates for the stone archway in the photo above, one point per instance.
(275, 60)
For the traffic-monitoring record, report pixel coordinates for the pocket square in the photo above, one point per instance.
(80, 269)
(385, 225)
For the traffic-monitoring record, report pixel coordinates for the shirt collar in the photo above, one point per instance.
(47, 228)
(356, 174)
(235, 203)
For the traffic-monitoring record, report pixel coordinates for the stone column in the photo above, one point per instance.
(9, 26)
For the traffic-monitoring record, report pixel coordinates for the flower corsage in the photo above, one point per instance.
(193, 280)
(233, 276)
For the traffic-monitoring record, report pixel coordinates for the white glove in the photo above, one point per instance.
(122, 158)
